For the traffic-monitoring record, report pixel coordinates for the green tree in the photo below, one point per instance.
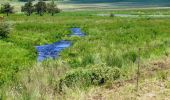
(6, 8)
(40, 7)
(28, 8)
(52, 8)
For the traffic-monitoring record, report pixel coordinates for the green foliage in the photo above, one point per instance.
(112, 42)
(52, 8)
(97, 75)
(4, 29)
(130, 56)
(40, 7)
(7, 8)
(14, 59)
(28, 8)
(113, 60)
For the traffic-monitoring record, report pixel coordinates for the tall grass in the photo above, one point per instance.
(109, 42)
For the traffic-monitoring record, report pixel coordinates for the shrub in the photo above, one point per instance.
(4, 29)
(86, 77)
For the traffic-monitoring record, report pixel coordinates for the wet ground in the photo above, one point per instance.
(52, 51)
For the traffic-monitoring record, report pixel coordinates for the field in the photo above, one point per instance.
(108, 53)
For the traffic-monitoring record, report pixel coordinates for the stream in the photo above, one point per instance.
(53, 50)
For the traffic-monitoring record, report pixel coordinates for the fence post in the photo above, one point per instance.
(138, 70)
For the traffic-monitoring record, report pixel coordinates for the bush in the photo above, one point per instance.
(4, 29)
(85, 77)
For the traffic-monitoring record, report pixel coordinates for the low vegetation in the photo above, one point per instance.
(4, 29)
(108, 52)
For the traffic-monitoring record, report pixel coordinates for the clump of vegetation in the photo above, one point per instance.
(4, 29)
(131, 56)
(86, 77)
(52, 8)
(40, 7)
(28, 8)
(7, 9)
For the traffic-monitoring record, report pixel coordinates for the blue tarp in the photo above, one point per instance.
(53, 50)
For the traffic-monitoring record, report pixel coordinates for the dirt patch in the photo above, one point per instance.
(149, 88)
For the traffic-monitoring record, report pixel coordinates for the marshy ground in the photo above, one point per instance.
(93, 66)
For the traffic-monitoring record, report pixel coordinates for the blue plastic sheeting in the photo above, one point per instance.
(77, 32)
(51, 50)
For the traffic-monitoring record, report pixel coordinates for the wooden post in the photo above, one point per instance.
(138, 70)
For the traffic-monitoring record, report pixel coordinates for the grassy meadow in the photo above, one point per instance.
(108, 52)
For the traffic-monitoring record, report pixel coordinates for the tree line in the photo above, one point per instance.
(29, 8)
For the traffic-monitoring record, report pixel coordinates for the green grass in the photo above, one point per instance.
(109, 42)
(156, 11)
